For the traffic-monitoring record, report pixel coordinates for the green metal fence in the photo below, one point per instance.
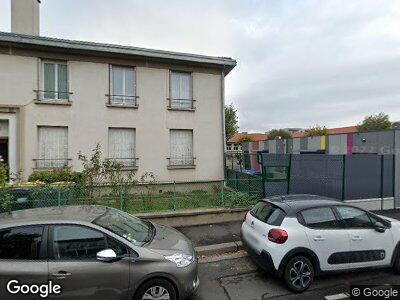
(140, 197)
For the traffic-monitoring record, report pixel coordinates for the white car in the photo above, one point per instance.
(297, 237)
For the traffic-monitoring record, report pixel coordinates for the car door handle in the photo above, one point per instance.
(356, 238)
(61, 274)
(319, 238)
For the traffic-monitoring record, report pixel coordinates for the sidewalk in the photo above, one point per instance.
(203, 235)
(390, 213)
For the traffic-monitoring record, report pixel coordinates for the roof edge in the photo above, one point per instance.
(226, 63)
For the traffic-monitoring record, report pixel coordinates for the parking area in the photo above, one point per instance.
(240, 278)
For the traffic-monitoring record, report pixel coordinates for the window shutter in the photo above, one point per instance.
(49, 77)
(62, 81)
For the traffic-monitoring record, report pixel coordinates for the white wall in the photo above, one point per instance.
(88, 118)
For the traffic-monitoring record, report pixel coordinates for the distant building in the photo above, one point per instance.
(234, 143)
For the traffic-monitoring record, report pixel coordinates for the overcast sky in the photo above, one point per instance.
(300, 62)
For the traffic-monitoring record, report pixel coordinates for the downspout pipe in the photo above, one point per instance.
(223, 120)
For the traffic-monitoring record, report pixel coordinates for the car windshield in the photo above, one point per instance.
(133, 229)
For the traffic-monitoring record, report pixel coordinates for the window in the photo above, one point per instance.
(320, 218)
(181, 148)
(77, 242)
(235, 147)
(119, 248)
(181, 90)
(268, 213)
(21, 243)
(55, 81)
(277, 173)
(354, 217)
(132, 229)
(121, 146)
(53, 147)
(123, 86)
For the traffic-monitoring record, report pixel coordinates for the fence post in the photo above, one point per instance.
(382, 162)
(174, 198)
(288, 173)
(344, 177)
(121, 198)
(59, 196)
(222, 192)
(236, 181)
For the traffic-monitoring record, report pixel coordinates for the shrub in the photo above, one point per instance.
(317, 130)
(52, 176)
(279, 133)
(5, 195)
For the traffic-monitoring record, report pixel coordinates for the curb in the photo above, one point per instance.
(219, 248)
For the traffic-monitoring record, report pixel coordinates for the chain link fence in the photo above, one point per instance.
(139, 197)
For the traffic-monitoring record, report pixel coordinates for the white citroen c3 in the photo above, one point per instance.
(297, 237)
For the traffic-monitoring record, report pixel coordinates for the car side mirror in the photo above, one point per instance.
(379, 227)
(107, 255)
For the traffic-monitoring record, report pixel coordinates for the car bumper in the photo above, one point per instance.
(263, 259)
(188, 280)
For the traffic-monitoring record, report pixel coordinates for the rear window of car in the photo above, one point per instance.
(268, 213)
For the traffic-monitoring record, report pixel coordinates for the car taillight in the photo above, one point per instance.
(278, 236)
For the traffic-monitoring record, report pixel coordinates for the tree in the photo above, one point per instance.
(244, 138)
(374, 122)
(317, 130)
(279, 133)
(231, 121)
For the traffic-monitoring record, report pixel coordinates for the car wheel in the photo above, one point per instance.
(299, 274)
(397, 264)
(156, 289)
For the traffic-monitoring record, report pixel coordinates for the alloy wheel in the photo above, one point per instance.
(156, 293)
(300, 274)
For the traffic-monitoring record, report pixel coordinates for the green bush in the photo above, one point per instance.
(51, 176)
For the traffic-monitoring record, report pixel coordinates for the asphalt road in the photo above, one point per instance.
(240, 279)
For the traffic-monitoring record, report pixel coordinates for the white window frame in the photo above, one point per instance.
(124, 98)
(55, 91)
(178, 105)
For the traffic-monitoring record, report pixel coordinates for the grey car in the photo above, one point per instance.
(93, 252)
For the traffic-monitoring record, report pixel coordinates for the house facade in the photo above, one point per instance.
(150, 110)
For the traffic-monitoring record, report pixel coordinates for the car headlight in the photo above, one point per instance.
(181, 260)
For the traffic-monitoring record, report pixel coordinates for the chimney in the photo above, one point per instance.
(25, 16)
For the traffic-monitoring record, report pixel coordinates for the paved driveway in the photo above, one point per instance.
(240, 279)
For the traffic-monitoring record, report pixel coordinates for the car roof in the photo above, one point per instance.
(78, 213)
(294, 203)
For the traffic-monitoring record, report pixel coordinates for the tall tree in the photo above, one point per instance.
(279, 133)
(231, 120)
(374, 122)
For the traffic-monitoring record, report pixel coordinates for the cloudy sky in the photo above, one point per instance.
(300, 62)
